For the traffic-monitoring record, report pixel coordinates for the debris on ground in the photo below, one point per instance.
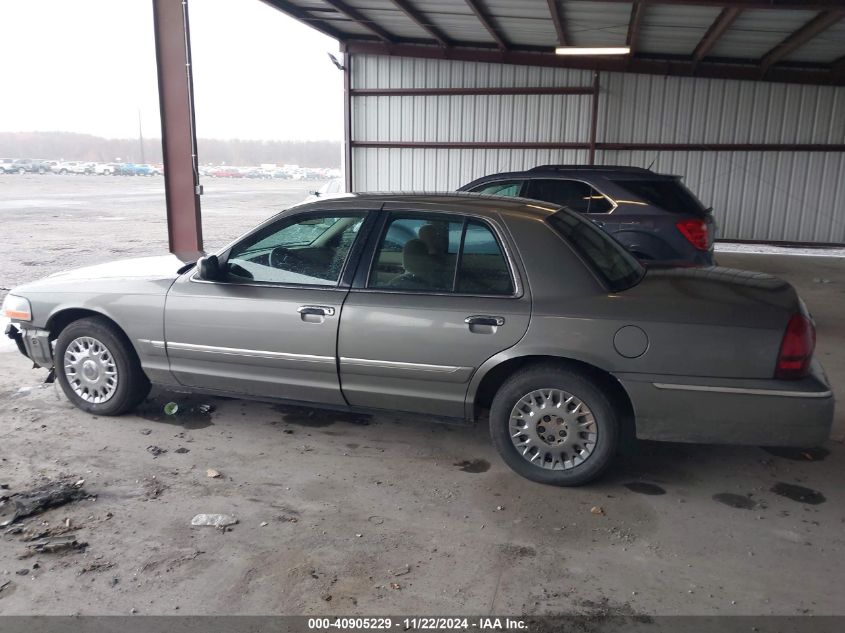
(53, 545)
(205, 408)
(3, 585)
(402, 572)
(23, 572)
(212, 473)
(264, 524)
(214, 520)
(146, 431)
(50, 495)
(153, 487)
(395, 585)
(155, 451)
(182, 450)
(94, 567)
(4, 486)
(35, 533)
(597, 510)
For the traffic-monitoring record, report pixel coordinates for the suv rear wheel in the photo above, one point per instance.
(97, 368)
(553, 425)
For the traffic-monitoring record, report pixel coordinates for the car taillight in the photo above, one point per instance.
(796, 349)
(696, 233)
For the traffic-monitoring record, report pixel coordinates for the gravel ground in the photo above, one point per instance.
(344, 514)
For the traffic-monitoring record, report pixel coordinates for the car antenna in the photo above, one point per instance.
(651, 164)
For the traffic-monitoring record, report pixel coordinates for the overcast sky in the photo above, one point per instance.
(89, 66)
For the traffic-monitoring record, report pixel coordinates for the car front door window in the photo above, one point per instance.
(573, 194)
(305, 250)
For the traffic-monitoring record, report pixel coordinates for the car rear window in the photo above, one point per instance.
(667, 193)
(607, 257)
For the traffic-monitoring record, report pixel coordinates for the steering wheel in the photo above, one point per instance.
(285, 258)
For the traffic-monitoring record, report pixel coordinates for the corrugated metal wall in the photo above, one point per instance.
(755, 195)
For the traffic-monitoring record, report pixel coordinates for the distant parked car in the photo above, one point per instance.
(146, 170)
(105, 169)
(30, 165)
(72, 167)
(224, 172)
(6, 165)
(653, 215)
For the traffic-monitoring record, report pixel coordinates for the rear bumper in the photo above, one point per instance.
(719, 411)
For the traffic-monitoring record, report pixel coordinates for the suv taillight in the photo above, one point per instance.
(696, 233)
(796, 348)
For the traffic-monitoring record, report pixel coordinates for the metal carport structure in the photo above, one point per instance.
(744, 98)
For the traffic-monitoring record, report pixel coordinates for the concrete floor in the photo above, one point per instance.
(387, 515)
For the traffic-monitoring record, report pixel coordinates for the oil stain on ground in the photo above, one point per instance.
(735, 501)
(473, 465)
(798, 454)
(799, 493)
(645, 488)
(193, 413)
(315, 418)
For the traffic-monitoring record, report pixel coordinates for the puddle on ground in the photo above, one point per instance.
(473, 465)
(644, 488)
(799, 493)
(189, 416)
(798, 454)
(317, 418)
(735, 501)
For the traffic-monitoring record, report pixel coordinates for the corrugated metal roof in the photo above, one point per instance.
(669, 32)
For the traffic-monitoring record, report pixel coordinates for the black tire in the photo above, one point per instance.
(132, 384)
(573, 382)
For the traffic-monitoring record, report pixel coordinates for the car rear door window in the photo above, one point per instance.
(669, 194)
(306, 249)
(500, 188)
(439, 253)
(573, 194)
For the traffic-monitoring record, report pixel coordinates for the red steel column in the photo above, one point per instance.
(178, 134)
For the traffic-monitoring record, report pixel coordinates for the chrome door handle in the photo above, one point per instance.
(318, 310)
(483, 319)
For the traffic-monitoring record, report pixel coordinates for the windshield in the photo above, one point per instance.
(669, 194)
(607, 257)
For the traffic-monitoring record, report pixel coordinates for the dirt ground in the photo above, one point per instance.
(341, 514)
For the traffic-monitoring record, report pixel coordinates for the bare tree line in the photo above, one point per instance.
(86, 147)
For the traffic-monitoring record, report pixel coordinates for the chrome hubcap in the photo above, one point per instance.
(90, 370)
(553, 429)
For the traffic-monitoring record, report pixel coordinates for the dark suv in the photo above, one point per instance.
(653, 215)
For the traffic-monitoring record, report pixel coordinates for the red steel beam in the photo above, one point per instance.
(421, 21)
(721, 24)
(811, 29)
(178, 134)
(487, 22)
(668, 67)
(603, 146)
(594, 119)
(356, 16)
(559, 22)
(303, 16)
(637, 10)
(444, 92)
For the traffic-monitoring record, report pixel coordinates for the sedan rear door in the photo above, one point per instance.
(440, 294)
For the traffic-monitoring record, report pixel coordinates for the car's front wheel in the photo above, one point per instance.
(554, 425)
(97, 368)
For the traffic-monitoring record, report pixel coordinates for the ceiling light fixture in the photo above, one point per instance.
(593, 50)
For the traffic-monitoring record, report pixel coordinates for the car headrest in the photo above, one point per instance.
(435, 238)
(415, 257)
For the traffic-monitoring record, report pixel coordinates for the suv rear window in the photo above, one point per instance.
(607, 257)
(667, 193)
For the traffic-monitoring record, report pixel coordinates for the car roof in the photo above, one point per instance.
(617, 172)
(451, 201)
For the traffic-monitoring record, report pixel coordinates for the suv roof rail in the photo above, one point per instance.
(636, 170)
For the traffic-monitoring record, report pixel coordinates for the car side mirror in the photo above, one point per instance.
(208, 268)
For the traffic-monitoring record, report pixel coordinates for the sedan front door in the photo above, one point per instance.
(440, 295)
(269, 326)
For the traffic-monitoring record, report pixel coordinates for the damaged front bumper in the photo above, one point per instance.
(34, 343)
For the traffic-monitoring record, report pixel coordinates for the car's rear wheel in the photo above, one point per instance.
(97, 368)
(554, 425)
